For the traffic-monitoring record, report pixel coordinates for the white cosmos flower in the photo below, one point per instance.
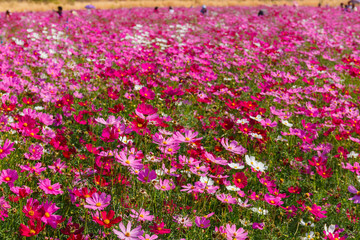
(138, 87)
(207, 181)
(250, 160)
(260, 210)
(309, 236)
(242, 121)
(235, 166)
(245, 222)
(307, 224)
(255, 135)
(280, 138)
(37, 108)
(257, 118)
(286, 123)
(259, 166)
(352, 154)
(232, 188)
(331, 229)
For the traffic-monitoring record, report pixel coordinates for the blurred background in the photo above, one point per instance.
(45, 5)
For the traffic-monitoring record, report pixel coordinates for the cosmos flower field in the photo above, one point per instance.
(130, 124)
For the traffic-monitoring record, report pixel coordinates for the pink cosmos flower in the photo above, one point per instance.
(21, 191)
(98, 202)
(49, 218)
(233, 147)
(127, 233)
(8, 176)
(214, 159)
(226, 198)
(58, 166)
(6, 149)
(46, 186)
(356, 198)
(189, 137)
(165, 185)
(148, 237)
(146, 111)
(110, 121)
(267, 123)
(129, 161)
(171, 149)
(142, 215)
(276, 201)
(4, 206)
(35, 152)
(36, 169)
(202, 222)
(232, 233)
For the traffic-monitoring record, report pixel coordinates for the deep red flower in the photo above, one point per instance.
(117, 108)
(84, 192)
(107, 219)
(240, 180)
(159, 229)
(31, 230)
(28, 101)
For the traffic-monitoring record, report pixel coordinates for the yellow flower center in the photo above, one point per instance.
(7, 179)
(47, 214)
(106, 221)
(98, 204)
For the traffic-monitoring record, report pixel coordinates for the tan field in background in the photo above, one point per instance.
(16, 6)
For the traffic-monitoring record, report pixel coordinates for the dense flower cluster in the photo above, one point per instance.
(134, 124)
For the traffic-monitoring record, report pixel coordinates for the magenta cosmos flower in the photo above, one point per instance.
(356, 198)
(146, 175)
(98, 202)
(276, 201)
(8, 176)
(6, 149)
(46, 186)
(202, 222)
(127, 233)
(49, 218)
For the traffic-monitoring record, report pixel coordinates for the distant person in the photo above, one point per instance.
(171, 10)
(342, 7)
(203, 10)
(156, 9)
(74, 13)
(59, 11)
(7, 14)
(353, 7)
(319, 5)
(261, 13)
